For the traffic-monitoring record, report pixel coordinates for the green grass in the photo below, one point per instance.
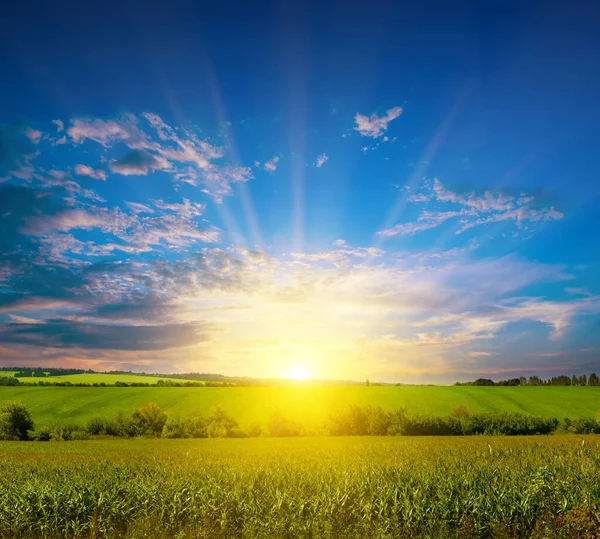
(8, 374)
(95, 378)
(302, 488)
(310, 405)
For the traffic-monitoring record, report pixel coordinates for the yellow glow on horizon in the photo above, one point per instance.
(298, 371)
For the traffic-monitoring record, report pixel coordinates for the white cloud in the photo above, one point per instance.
(180, 151)
(136, 207)
(60, 126)
(23, 173)
(187, 208)
(425, 221)
(84, 170)
(124, 129)
(271, 164)
(475, 210)
(321, 160)
(374, 126)
(33, 135)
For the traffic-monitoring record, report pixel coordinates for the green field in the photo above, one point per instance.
(311, 405)
(97, 378)
(302, 488)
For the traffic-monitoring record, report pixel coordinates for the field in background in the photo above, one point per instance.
(303, 487)
(95, 378)
(311, 405)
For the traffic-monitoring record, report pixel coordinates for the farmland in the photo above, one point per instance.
(309, 404)
(303, 487)
(95, 378)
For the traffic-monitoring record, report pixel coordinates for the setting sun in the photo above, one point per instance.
(298, 371)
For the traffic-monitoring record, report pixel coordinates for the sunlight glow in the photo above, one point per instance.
(298, 371)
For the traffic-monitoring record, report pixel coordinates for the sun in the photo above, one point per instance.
(298, 371)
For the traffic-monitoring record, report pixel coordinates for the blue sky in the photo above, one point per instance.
(394, 192)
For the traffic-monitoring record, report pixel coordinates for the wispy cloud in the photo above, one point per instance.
(84, 170)
(374, 126)
(474, 210)
(271, 164)
(106, 132)
(33, 135)
(321, 160)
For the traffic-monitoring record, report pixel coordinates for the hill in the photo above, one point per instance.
(309, 404)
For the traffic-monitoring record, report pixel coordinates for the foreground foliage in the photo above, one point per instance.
(151, 421)
(304, 487)
(311, 405)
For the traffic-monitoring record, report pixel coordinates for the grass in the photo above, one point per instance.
(311, 404)
(306, 487)
(96, 378)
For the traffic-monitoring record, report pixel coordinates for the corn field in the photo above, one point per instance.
(304, 487)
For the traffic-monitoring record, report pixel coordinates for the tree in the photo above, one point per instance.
(593, 380)
(460, 410)
(150, 418)
(220, 423)
(15, 421)
(483, 382)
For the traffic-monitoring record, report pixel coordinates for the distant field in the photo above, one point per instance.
(99, 378)
(9, 374)
(310, 405)
(330, 488)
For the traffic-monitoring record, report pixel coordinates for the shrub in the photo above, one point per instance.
(97, 425)
(280, 426)
(79, 435)
(150, 419)
(236, 432)
(379, 422)
(177, 427)
(586, 426)
(460, 410)
(220, 423)
(255, 430)
(15, 421)
(41, 435)
(59, 432)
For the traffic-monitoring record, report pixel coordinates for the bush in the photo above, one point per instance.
(79, 435)
(42, 435)
(177, 427)
(236, 432)
(460, 410)
(15, 421)
(58, 432)
(255, 430)
(98, 426)
(362, 421)
(220, 423)
(280, 426)
(586, 426)
(150, 419)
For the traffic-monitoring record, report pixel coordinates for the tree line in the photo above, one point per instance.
(150, 420)
(8, 381)
(563, 380)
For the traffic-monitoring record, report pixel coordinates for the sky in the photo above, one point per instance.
(404, 192)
